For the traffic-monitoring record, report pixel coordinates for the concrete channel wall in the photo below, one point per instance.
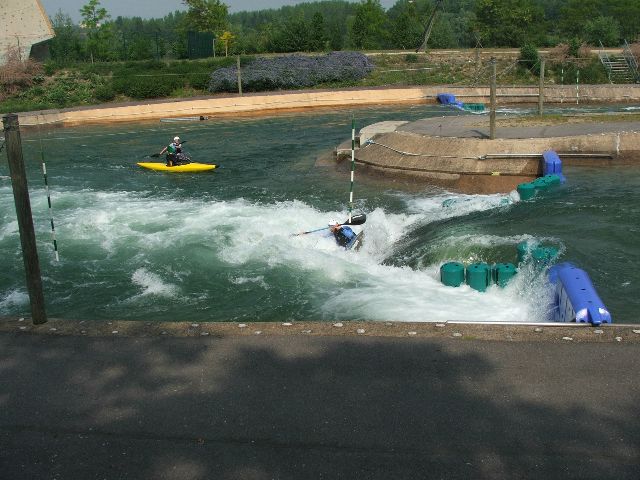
(474, 165)
(259, 103)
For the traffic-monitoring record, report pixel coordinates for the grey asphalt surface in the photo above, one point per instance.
(311, 407)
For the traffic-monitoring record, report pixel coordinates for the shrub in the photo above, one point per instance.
(591, 72)
(529, 58)
(140, 87)
(105, 93)
(291, 72)
(17, 74)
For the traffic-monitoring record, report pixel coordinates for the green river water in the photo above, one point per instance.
(217, 246)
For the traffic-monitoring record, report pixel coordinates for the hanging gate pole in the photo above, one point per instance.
(25, 220)
(353, 164)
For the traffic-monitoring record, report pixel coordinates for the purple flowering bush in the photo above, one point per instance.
(292, 71)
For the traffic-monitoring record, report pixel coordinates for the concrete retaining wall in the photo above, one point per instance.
(264, 103)
(459, 163)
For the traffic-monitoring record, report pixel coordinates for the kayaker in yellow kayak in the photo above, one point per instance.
(174, 153)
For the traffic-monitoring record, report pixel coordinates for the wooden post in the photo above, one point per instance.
(492, 113)
(25, 220)
(239, 77)
(541, 89)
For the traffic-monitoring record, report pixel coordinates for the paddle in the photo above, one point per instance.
(157, 155)
(355, 220)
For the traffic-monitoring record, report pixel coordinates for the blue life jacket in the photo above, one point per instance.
(344, 236)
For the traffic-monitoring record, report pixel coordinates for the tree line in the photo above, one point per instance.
(332, 25)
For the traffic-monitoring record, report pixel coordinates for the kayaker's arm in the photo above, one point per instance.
(163, 150)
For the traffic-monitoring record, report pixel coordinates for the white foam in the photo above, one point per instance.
(153, 284)
(259, 280)
(141, 231)
(13, 298)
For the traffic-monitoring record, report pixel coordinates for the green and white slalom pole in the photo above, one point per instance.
(46, 188)
(353, 163)
(53, 228)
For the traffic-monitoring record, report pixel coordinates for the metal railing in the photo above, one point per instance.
(632, 61)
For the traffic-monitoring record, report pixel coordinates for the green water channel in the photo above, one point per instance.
(217, 246)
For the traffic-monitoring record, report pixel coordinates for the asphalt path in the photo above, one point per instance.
(311, 407)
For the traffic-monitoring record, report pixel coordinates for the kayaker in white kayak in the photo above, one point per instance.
(342, 233)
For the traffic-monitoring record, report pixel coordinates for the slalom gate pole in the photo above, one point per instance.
(46, 188)
(53, 228)
(353, 163)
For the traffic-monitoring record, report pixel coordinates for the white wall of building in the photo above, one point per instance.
(23, 23)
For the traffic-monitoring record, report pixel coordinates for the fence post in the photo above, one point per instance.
(492, 112)
(541, 89)
(239, 77)
(25, 220)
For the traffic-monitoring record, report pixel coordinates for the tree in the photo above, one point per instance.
(206, 15)
(226, 38)
(406, 29)
(367, 30)
(93, 15)
(99, 34)
(602, 29)
(293, 35)
(318, 35)
(507, 23)
(66, 45)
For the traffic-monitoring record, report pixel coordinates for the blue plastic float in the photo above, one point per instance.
(449, 99)
(552, 165)
(576, 298)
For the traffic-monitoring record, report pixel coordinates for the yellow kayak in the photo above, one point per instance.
(188, 167)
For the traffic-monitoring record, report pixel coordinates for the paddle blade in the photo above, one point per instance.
(356, 219)
(154, 155)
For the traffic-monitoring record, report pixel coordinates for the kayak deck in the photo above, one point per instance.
(188, 167)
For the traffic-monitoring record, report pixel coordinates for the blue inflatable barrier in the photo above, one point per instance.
(552, 165)
(576, 297)
(446, 98)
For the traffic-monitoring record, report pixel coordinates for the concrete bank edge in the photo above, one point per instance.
(290, 101)
(497, 331)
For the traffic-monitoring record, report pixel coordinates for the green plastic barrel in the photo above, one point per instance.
(544, 256)
(503, 272)
(524, 250)
(552, 179)
(526, 191)
(452, 274)
(474, 107)
(478, 276)
(540, 184)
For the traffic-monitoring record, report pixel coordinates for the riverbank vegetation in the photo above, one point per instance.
(105, 60)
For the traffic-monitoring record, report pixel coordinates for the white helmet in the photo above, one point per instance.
(333, 222)
(176, 139)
